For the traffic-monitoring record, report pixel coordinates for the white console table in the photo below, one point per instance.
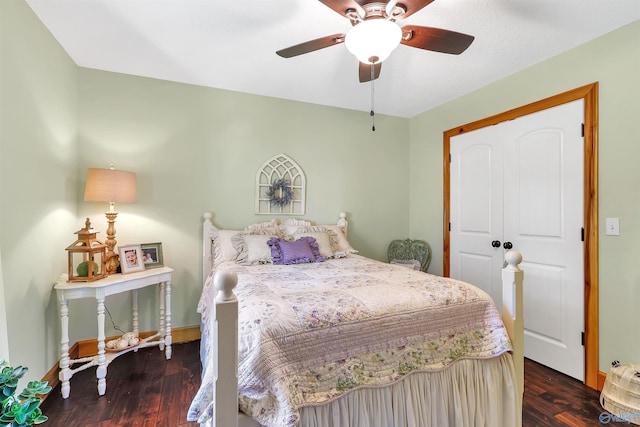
(99, 290)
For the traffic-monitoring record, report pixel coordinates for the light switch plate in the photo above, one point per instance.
(613, 226)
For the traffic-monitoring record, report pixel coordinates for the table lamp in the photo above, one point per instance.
(110, 185)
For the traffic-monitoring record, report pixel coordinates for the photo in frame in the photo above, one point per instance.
(152, 255)
(130, 258)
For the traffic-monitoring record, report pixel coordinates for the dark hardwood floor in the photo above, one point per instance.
(144, 389)
(554, 399)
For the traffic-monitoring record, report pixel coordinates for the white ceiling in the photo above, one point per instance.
(231, 45)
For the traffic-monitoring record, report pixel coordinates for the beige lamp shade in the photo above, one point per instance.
(109, 185)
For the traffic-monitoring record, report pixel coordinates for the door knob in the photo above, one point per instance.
(507, 245)
(495, 243)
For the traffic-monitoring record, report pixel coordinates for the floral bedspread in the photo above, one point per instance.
(309, 333)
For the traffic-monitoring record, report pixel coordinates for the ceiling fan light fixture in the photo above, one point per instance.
(373, 40)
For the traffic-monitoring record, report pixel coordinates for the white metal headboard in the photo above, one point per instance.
(210, 232)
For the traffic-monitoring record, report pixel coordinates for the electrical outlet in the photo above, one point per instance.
(613, 226)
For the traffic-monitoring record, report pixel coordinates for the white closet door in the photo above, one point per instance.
(476, 210)
(543, 169)
(521, 183)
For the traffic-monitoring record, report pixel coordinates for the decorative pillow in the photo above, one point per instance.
(290, 225)
(269, 226)
(223, 249)
(323, 240)
(327, 239)
(299, 251)
(252, 248)
(343, 244)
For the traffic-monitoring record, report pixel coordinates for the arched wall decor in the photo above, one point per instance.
(280, 187)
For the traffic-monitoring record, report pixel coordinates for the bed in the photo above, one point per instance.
(306, 332)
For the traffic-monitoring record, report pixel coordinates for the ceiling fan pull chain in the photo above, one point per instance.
(373, 120)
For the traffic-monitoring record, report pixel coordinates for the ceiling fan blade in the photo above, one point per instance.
(341, 6)
(413, 6)
(364, 71)
(311, 45)
(435, 39)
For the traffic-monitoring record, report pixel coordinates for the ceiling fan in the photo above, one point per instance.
(375, 33)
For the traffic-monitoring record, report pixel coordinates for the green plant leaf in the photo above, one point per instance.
(40, 419)
(23, 409)
(21, 417)
(32, 406)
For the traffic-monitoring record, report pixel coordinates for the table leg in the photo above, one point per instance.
(134, 314)
(65, 373)
(101, 371)
(167, 338)
(161, 302)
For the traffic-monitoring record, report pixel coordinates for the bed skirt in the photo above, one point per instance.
(469, 393)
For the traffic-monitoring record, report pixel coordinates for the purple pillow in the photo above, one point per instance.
(305, 249)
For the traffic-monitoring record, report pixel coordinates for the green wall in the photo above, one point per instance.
(38, 169)
(614, 61)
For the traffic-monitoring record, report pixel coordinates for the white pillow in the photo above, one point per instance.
(290, 225)
(269, 226)
(343, 244)
(223, 248)
(252, 248)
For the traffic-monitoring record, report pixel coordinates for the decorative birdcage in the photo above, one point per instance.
(87, 256)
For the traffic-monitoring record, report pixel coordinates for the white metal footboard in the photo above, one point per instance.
(225, 330)
(512, 316)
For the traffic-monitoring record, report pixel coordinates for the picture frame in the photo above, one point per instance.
(130, 258)
(152, 255)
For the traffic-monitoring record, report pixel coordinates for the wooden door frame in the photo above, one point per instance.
(589, 94)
